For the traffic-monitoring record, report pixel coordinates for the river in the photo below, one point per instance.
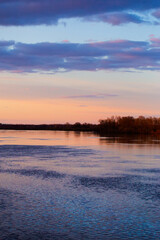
(74, 185)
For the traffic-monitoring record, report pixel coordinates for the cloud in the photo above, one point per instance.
(155, 42)
(36, 12)
(65, 41)
(92, 96)
(156, 13)
(117, 18)
(62, 57)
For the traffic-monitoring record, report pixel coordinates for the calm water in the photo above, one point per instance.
(67, 185)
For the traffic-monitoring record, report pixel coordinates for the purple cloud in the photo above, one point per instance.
(156, 13)
(61, 57)
(155, 42)
(36, 12)
(92, 96)
(116, 18)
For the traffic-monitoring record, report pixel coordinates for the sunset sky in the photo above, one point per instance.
(78, 60)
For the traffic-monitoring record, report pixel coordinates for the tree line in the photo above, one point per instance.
(109, 126)
(130, 125)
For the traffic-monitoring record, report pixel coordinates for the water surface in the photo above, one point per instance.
(71, 185)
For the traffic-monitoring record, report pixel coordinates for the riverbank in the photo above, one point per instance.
(110, 126)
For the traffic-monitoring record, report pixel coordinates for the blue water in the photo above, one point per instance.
(57, 185)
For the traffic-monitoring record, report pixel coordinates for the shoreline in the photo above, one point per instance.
(108, 127)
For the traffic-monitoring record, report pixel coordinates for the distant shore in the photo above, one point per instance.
(109, 126)
(53, 127)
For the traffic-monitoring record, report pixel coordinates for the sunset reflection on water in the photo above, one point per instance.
(74, 185)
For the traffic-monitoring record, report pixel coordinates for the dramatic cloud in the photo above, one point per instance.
(35, 12)
(61, 57)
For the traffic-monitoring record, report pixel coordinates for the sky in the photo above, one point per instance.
(78, 60)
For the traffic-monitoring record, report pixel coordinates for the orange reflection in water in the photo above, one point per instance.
(49, 138)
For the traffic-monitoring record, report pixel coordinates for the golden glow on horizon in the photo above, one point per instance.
(38, 98)
(62, 111)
